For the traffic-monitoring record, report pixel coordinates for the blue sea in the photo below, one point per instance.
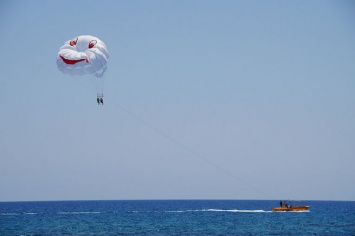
(175, 217)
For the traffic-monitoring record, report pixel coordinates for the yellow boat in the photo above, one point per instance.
(291, 208)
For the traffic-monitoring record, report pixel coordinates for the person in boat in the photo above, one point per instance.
(98, 101)
(286, 205)
(281, 204)
(102, 101)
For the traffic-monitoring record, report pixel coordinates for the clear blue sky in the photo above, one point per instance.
(204, 100)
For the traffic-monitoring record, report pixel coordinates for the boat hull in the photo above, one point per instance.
(293, 208)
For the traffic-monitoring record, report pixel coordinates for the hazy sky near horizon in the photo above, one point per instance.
(203, 100)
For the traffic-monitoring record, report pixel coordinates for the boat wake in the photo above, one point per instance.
(222, 210)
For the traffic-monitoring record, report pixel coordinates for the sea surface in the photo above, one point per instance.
(175, 217)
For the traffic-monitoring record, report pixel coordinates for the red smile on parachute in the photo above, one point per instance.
(72, 62)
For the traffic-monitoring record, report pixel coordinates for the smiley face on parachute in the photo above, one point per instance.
(83, 55)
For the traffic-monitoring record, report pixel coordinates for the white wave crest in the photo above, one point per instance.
(79, 212)
(9, 214)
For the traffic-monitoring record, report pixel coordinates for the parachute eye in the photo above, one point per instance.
(92, 43)
(73, 42)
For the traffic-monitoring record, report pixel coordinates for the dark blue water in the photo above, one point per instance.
(170, 217)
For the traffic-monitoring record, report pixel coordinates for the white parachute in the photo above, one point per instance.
(84, 55)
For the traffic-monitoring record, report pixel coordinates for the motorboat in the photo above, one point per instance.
(291, 208)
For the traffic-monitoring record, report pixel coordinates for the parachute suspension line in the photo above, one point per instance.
(100, 85)
(190, 150)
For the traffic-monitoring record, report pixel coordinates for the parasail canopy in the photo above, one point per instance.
(83, 55)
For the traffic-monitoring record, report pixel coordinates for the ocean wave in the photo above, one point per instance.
(79, 212)
(130, 211)
(9, 214)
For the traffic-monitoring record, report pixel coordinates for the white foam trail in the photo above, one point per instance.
(222, 210)
(234, 210)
